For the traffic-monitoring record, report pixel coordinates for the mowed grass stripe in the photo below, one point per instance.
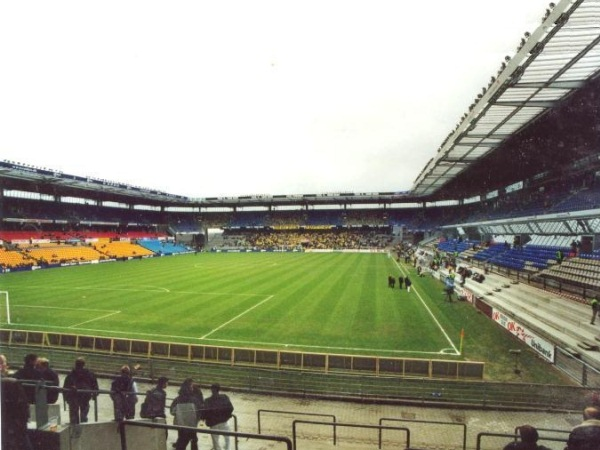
(338, 301)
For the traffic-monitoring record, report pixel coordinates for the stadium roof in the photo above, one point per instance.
(552, 62)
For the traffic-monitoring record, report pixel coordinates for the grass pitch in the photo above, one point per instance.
(318, 302)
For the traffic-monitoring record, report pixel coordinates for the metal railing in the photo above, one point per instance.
(414, 391)
(348, 425)
(127, 423)
(295, 413)
(429, 422)
(510, 438)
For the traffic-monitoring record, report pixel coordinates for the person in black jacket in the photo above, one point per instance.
(407, 283)
(187, 409)
(79, 379)
(586, 436)
(50, 377)
(14, 411)
(29, 374)
(217, 412)
(529, 437)
(155, 401)
(123, 392)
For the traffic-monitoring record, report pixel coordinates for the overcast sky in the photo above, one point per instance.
(227, 98)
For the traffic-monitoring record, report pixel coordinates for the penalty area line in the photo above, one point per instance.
(237, 317)
(64, 308)
(96, 318)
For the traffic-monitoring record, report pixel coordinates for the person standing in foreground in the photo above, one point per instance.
(30, 375)
(218, 410)
(586, 436)
(50, 377)
(79, 378)
(124, 395)
(155, 401)
(187, 409)
(529, 437)
(15, 411)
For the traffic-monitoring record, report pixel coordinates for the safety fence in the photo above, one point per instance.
(249, 357)
(333, 386)
(236, 435)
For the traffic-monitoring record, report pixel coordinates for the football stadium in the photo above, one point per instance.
(461, 313)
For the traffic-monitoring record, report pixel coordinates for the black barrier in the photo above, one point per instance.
(349, 425)
(234, 434)
(510, 438)
(433, 422)
(295, 413)
(550, 430)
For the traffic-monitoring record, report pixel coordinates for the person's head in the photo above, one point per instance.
(591, 412)
(162, 382)
(187, 386)
(528, 434)
(215, 388)
(30, 359)
(42, 363)
(3, 365)
(80, 362)
(125, 370)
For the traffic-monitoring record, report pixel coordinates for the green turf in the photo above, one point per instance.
(325, 302)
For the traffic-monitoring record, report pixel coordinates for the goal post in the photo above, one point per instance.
(4, 308)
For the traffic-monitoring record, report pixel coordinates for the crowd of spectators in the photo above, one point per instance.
(190, 407)
(80, 387)
(333, 239)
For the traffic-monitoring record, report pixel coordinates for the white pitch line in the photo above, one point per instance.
(158, 289)
(97, 318)
(63, 308)
(237, 317)
(94, 288)
(430, 313)
(229, 294)
(119, 289)
(281, 346)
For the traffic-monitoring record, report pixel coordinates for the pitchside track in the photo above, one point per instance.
(321, 302)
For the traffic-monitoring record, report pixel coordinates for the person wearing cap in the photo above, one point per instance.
(529, 437)
(217, 412)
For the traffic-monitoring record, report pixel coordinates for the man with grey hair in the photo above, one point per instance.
(586, 436)
(50, 377)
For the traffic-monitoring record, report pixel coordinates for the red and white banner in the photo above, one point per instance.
(542, 346)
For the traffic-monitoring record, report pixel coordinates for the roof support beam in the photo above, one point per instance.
(553, 85)
(528, 104)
